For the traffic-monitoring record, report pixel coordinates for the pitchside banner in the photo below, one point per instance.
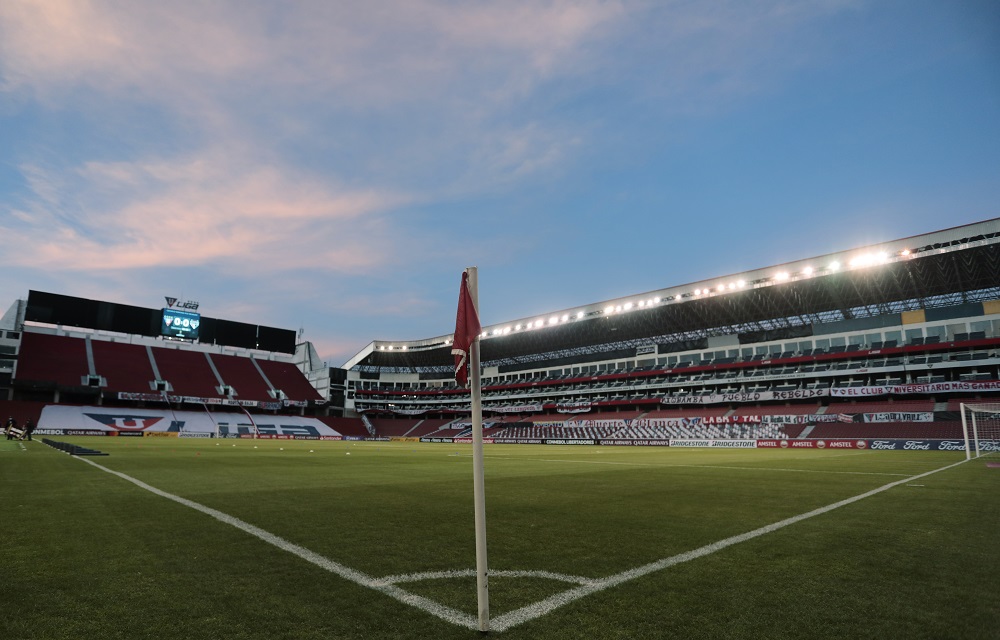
(715, 444)
(138, 421)
(812, 444)
(930, 445)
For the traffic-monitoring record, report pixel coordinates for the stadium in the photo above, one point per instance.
(801, 449)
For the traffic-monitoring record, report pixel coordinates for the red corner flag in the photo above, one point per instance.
(467, 329)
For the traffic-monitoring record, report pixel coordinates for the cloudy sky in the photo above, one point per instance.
(335, 165)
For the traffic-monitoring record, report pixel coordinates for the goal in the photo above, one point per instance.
(981, 428)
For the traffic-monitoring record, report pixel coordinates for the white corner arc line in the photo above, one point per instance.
(517, 617)
(494, 573)
(532, 611)
(445, 613)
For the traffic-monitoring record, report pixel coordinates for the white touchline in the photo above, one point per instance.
(517, 617)
(445, 613)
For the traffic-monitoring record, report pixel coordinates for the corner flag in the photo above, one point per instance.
(467, 328)
(466, 352)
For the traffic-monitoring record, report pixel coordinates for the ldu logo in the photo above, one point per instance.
(121, 422)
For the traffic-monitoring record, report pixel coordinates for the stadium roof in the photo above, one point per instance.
(943, 268)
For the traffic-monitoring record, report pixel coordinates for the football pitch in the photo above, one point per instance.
(175, 538)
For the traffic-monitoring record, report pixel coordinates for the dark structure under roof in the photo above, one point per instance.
(942, 269)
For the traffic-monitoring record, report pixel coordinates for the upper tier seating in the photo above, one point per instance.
(188, 372)
(125, 367)
(46, 358)
(242, 376)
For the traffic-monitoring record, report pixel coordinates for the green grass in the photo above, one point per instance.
(87, 554)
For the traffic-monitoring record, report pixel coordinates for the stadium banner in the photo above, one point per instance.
(568, 441)
(469, 440)
(194, 434)
(272, 405)
(159, 434)
(802, 418)
(715, 444)
(358, 438)
(402, 439)
(426, 439)
(635, 443)
(573, 407)
(132, 420)
(749, 396)
(573, 423)
(899, 416)
(85, 432)
(908, 389)
(335, 438)
(930, 445)
(124, 434)
(49, 432)
(812, 444)
(518, 441)
(524, 408)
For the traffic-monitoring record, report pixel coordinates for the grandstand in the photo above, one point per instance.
(88, 366)
(881, 341)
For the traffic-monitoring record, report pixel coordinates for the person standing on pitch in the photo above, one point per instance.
(9, 427)
(29, 428)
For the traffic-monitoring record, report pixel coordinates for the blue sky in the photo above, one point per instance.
(335, 165)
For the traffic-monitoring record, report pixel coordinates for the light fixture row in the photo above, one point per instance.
(859, 261)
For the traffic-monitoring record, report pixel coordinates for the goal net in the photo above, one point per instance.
(981, 428)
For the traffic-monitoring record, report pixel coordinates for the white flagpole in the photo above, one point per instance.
(479, 480)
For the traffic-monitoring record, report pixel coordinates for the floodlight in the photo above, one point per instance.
(722, 287)
(403, 347)
(517, 328)
(553, 319)
(807, 271)
(609, 309)
(781, 275)
(697, 292)
(642, 303)
(628, 305)
(506, 330)
(531, 325)
(579, 315)
(657, 300)
(904, 252)
(741, 283)
(834, 266)
(618, 309)
(565, 317)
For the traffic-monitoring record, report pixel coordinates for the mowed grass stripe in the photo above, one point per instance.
(523, 614)
(912, 562)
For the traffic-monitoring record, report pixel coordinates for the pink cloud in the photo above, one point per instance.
(198, 212)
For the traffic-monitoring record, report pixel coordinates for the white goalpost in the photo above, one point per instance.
(981, 428)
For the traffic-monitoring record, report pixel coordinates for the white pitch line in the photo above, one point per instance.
(543, 607)
(494, 573)
(445, 613)
(517, 617)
